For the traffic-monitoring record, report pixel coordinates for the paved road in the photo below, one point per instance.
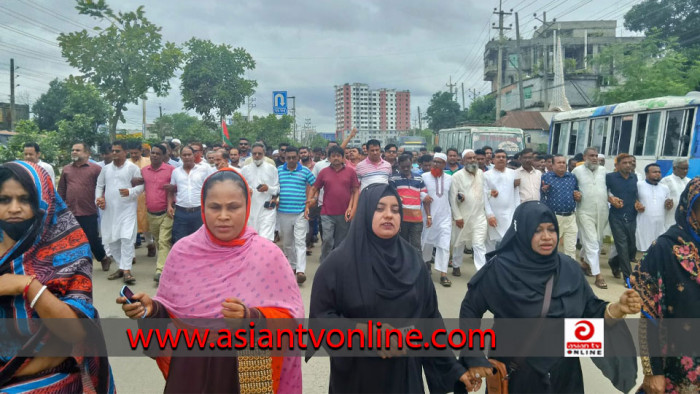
(140, 375)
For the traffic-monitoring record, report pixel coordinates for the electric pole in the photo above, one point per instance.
(143, 101)
(520, 63)
(420, 122)
(12, 94)
(463, 106)
(451, 85)
(294, 114)
(499, 77)
(251, 105)
(160, 110)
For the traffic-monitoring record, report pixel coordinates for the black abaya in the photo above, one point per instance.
(370, 278)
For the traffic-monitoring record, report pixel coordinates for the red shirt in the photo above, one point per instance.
(337, 189)
(77, 188)
(156, 196)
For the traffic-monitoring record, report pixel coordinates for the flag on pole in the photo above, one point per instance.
(225, 138)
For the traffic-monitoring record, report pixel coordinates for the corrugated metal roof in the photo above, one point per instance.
(526, 120)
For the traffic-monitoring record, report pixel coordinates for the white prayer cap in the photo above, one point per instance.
(275, 152)
(176, 141)
(440, 155)
(601, 156)
(464, 152)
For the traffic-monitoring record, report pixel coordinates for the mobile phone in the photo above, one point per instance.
(126, 292)
(266, 205)
(259, 187)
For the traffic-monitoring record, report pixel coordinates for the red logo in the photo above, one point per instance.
(584, 330)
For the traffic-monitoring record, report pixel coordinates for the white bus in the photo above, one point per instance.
(654, 130)
(476, 137)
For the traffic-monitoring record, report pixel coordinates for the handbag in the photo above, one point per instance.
(498, 382)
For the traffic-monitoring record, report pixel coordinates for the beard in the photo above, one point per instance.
(437, 172)
(471, 167)
(592, 166)
(75, 158)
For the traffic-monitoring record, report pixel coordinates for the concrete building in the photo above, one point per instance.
(380, 113)
(21, 113)
(580, 41)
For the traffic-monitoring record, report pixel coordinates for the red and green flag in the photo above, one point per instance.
(225, 138)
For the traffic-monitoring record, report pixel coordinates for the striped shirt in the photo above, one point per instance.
(412, 191)
(293, 188)
(369, 173)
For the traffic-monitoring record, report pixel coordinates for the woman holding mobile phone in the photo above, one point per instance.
(45, 273)
(239, 275)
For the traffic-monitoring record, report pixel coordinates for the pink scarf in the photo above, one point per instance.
(200, 274)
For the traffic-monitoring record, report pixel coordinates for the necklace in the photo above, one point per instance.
(440, 190)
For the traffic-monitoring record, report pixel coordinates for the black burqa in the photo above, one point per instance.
(367, 277)
(520, 276)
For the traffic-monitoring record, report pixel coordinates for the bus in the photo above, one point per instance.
(411, 143)
(476, 137)
(653, 130)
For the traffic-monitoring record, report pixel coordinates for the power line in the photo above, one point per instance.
(46, 27)
(42, 40)
(55, 14)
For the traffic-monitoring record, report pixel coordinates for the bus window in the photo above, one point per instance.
(555, 138)
(652, 133)
(685, 138)
(580, 128)
(599, 129)
(674, 131)
(621, 134)
(641, 132)
(563, 139)
(571, 146)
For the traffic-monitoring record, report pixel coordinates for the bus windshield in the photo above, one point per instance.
(510, 142)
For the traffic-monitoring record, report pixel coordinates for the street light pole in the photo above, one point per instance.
(294, 114)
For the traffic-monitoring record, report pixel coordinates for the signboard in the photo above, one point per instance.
(279, 102)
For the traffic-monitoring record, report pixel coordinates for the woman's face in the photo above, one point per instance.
(545, 239)
(225, 210)
(14, 202)
(387, 219)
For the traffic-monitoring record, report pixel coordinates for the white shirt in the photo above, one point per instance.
(325, 163)
(119, 217)
(675, 186)
(530, 183)
(189, 186)
(502, 207)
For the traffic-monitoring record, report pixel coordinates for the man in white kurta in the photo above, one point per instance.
(468, 211)
(501, 199)
(438, 234)
(262, 178)
(119, 199)
(592, 211)
(655, 200)
(676, 183)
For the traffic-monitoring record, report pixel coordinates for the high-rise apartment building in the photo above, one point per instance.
(372, 112)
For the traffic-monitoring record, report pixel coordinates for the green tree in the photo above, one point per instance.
(186, 128)
(48, 107)
(651, 68)
(213, 83)
(271, 129)
(28, 131)
(81, 128)
(443, 112)
(482, 110)
(124, 60)
(315, 140)
(667, 18)
(84, 99)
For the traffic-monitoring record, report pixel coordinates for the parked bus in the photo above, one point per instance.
(476, 137)
(411, 143)
(654, 130)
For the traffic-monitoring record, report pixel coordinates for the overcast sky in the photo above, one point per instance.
(304, 47)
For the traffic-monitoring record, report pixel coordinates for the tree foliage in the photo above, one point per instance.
(124, 60)
(28, 131)
(482, 110)
(48, 107)
(213, 82)
(271, 129)
(651, 68)
(667, 18)
(443, 112)
(184, 127)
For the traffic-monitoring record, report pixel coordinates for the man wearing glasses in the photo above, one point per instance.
(281, 152)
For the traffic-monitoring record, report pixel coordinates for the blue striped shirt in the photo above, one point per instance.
(293, 188)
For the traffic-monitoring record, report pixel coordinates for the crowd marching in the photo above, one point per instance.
(385, 217)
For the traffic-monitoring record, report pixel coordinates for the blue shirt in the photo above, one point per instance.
(626, 190)
(559, 197)
(293, 188)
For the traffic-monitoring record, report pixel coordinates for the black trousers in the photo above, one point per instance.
(623, 231)
(89, 226)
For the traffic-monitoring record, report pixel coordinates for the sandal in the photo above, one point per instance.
(600, 283)
(445, 282)
(116, 275)
(129, 279)
(585, 268)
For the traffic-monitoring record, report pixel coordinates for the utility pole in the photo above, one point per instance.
(251, 105)
(520, 63)
(500, 29)
(545, 54)
(473, 93)
(12, 94)
(294, 114)
(451, 85)
(160, 110)
(143, 131)
(420, 121)
(463, 103)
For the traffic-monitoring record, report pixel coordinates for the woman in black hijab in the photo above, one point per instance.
(513, 284)
(372, 274)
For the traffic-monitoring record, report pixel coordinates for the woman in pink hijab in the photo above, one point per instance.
(225, 270)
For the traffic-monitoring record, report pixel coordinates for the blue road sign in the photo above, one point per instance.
(279, 102)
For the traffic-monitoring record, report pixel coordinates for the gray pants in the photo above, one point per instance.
(293, 228)
(411, 232)
(335, 229)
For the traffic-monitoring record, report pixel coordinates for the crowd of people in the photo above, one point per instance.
(385, 218)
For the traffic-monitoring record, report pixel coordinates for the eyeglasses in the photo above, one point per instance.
(391, 151)
(196, 150)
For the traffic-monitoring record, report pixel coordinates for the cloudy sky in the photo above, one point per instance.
(304, 47)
